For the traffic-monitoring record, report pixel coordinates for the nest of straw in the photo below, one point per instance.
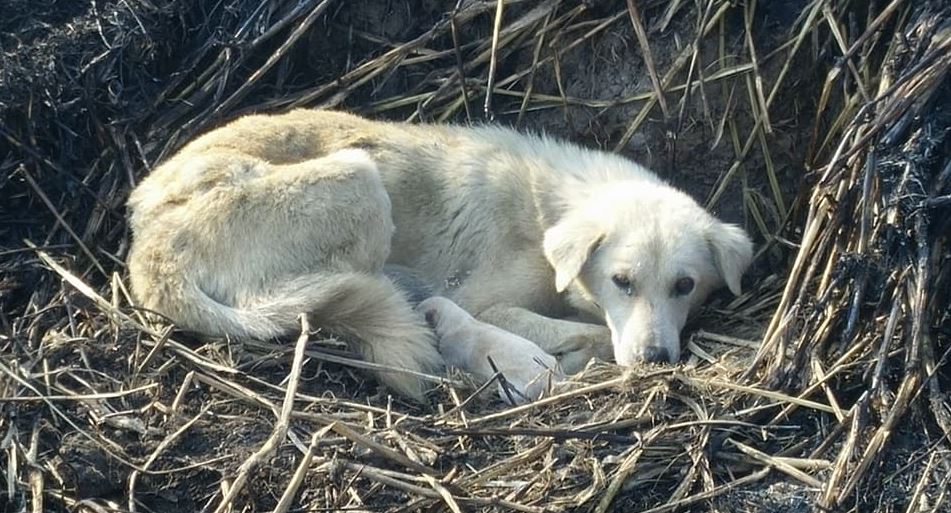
(823, 125)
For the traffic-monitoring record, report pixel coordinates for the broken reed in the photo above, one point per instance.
(862, 300)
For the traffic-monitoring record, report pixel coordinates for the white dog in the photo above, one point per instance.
(468, 344)
(272, 216)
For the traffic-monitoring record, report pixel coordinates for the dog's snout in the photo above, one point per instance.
(656, 354)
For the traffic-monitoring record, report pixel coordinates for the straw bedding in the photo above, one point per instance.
(820, 125)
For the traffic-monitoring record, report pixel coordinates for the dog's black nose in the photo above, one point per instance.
(656, 354)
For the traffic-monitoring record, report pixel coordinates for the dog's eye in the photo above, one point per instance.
(623, 282)
(683, 286)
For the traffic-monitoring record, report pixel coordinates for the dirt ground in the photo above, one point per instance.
(86, 133)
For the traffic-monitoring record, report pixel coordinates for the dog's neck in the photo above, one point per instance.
(561, 175)
(573, 176)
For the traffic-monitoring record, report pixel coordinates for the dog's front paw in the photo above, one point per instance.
(524, 380)
(578, 350)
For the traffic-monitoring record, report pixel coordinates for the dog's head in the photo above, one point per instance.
(643, 256)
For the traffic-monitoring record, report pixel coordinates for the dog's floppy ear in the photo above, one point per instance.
(732, 252)
(567, 247)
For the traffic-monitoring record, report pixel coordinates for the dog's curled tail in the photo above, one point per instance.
(368, 310)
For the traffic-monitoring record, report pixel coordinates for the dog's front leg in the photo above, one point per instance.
(573, 343)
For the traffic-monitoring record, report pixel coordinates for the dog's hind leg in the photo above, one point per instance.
(341, 212)
(230, 245)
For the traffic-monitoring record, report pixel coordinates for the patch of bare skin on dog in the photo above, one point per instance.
(468, 344)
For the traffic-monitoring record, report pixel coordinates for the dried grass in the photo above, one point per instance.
(830, 377)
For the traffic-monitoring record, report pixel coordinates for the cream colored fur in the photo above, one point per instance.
(467, 344)
(272, 216)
